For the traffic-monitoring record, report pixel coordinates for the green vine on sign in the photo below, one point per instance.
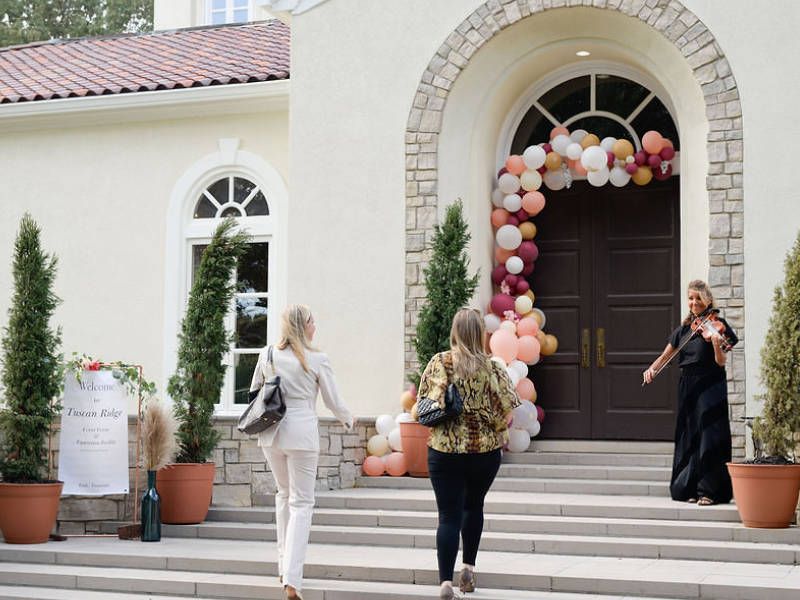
(128, 375)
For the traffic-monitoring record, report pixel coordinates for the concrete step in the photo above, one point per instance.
(594, 472)
(530, 484)
(721, 531)
(240, 569)
(588, 458)
(585, 544)
(601, 447)
(12, 592)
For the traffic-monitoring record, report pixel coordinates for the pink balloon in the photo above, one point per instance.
(525, 388)
(502, 303)
(522, 286)
(539, 414)
(504, 344)
(396, 464)
(652, 142)
(533, 203)
(515, 164)
(528, 251)
(528, 349)
(654, 160)
(498, 274)
(667, 153)
(631, 168)
(558, 131)
(528, 326)
(640, 158)
(373, 466)
(521, 215)
(413, 389)
(499, 217)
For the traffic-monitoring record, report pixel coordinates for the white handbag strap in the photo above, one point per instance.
(271, 363)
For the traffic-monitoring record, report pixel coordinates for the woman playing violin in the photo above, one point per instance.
(702, 430)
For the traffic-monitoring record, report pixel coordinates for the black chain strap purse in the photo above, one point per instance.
(267, 405)
(430, 413)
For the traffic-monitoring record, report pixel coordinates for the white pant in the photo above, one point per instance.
(295, 473)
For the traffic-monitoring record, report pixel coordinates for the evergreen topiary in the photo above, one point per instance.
(776, 432)
(203, 342)
(32, 365)
(448, 284)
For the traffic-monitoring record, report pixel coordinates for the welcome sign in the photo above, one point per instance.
(93, 450)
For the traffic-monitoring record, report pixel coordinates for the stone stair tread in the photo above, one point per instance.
(11, 592)
(415, 480)
(564, 573)
(579, 459)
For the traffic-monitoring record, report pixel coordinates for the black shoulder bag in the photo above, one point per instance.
(267, 405)
(430, 413)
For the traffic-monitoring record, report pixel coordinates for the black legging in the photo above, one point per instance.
(460, 482)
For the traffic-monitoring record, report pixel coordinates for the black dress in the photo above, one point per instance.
(702, 430)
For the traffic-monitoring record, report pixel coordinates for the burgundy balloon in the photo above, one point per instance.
(654, 160)
(511, 280)
(521, 215)
(631, 168)
(501, 172)
(528, 251)
(528, 269)
(667, 153)
(640, 157)
(610, 159)
(539, 413)
(501, 303)
(523, 286)
(547, 148)
(498, 274)
(662, 176)
(542, 170)
(513, 220)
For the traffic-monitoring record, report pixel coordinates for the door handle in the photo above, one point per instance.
(585, 348)
(601, 347)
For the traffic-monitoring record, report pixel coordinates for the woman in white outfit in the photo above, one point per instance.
(292, 446)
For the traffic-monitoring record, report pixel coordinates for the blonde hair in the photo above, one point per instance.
(701, 287)
(293, 331)
(466, 342)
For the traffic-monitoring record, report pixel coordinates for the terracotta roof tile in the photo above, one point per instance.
(145, 62)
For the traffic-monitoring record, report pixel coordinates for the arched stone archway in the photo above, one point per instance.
(724, 147)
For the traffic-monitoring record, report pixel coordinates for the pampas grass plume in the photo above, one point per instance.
(158, 434)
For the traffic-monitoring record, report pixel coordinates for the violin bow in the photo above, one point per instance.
(681, 345)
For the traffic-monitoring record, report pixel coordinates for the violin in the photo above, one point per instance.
(710, 326)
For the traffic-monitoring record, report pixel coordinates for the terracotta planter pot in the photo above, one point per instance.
(185, 490)
(766, 495)
(414, 438)
(28, 511)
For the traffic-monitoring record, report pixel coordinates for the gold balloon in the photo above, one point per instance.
(535, 395)
(538, 316)
(540, 335)
(530, 295)
(552, 161)
(642, 176)
(528, 230)
(550, 345)
(622, 149)
(407, 400)
(590, 140)
(414, 411)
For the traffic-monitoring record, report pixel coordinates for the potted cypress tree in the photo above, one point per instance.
(448, 288)
(32, 380)
(766, 488)
(185, 486)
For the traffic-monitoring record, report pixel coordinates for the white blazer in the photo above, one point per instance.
(299, 428)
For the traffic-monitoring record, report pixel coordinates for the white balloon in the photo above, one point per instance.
(377, 445)
(499, 361)
(523, 305)
(535, 428)
(598, 178)
(578, 135)
(594, 158)
(509, 326)
(512, 203)
(514, 265)
(509, 237)
(513, 376)
(530, 180)
(619, 177)
(508, 183)
(520, 367)
(534, 156)
(518, 440)
(384, 424)
(554, 180)
(574, 151)
(492, 322)
(607, 143)
(543, 317)
(497, 198)
(520, 418)
(630, 159)
(394, 440)
(404, 417)
(560, 143)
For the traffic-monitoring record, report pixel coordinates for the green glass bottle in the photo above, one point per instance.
(151, 511)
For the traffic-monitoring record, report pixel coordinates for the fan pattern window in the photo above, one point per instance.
(231, 197)
(603, 104)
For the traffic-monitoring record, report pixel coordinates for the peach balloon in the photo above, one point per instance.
(652, 142)
(579, 168)
(528, 325)
(407, 400)
(528, 230)
(533, 203)
(590, 140)
(373, 466)
(552, 161)
(525, 389)
(558, 131)
(504, 344)
(515, 164)
(501, 255)
(499, 217)
(622, 149)
(668, 144)
(396, 464)
(529, 349)
(642, 176)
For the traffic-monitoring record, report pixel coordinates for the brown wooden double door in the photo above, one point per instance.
(608, 278)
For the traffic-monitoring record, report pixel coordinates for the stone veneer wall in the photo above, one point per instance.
(725, 153)
(242, 475)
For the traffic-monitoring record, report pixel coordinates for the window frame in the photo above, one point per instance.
(229, 10)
